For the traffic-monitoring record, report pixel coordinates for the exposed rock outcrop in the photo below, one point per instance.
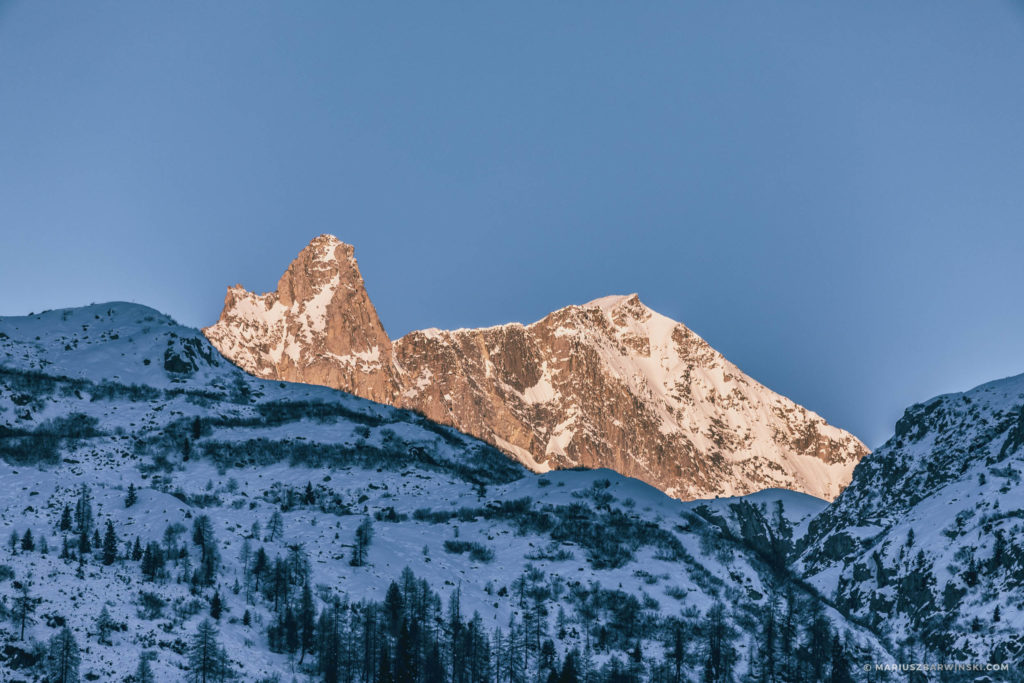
(610, 383)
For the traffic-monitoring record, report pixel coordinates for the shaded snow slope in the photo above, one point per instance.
(928, 540)
(117, 394)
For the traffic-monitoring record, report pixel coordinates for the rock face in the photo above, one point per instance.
(926, 540)
(610, 383)
(319, 327)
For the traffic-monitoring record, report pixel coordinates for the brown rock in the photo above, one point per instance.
(607, 384)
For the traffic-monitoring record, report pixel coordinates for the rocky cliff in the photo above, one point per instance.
(610, 383)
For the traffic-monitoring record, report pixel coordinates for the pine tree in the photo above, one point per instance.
(364, 534)
(259, 565)
(307, 621)
(133, 496)
(676, 648)
(65, 519)
(144, 672)
(247, 618)
(109, 544)
(206, 658)
(478, 650)
(13, 541)
(63, 658)
(209, 556)
(104, 626)
(329, 643)
(816, 650)
(152, 561)
(768, 642)
(405, 655)
(290, 625)
(275, 527)
(999, 555)
(216, 606)
(569, 673)
(83, 510)
(384, 674)
(24, 606)
(971, 573)
(433, 666)
(137, 550)
(840, 663)
(721, 655)
(28, 544)
(393, 609)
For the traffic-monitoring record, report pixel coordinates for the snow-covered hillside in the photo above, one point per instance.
(570, 571)
(928, 540)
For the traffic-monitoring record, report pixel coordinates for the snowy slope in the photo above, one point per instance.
(117, 394)
(928, 540)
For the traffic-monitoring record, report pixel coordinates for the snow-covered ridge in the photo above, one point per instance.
(928, 536)
(154, 407)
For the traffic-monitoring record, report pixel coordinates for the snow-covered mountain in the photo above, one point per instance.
(927, 542)
(610, 383)
(161, 486)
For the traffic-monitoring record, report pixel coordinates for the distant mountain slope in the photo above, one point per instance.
(607, 384)
(226, 468)
(928, 539)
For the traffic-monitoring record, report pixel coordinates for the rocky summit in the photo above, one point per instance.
(610, 383)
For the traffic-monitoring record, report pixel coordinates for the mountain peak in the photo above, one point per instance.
(327, 248)
(610, 383)
(613, 301)
(319, 323)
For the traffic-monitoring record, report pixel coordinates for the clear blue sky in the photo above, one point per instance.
(832, 194)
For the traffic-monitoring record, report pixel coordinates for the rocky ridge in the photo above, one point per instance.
(610, 383)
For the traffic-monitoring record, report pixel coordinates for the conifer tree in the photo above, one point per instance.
(207, 659)
(109, 544)
(65, 518)
(275, 527)
(259, 565)
(364, 534)
(290, 625)
(84, 545)
(63, 658)
(137, 549)
(216, 606)
(24, 606)
(104, 626)
(144, 672)
(133, 496)
(840, 663)
(83, 510)
(307, 621)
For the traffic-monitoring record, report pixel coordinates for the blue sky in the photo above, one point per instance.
(832, 194)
